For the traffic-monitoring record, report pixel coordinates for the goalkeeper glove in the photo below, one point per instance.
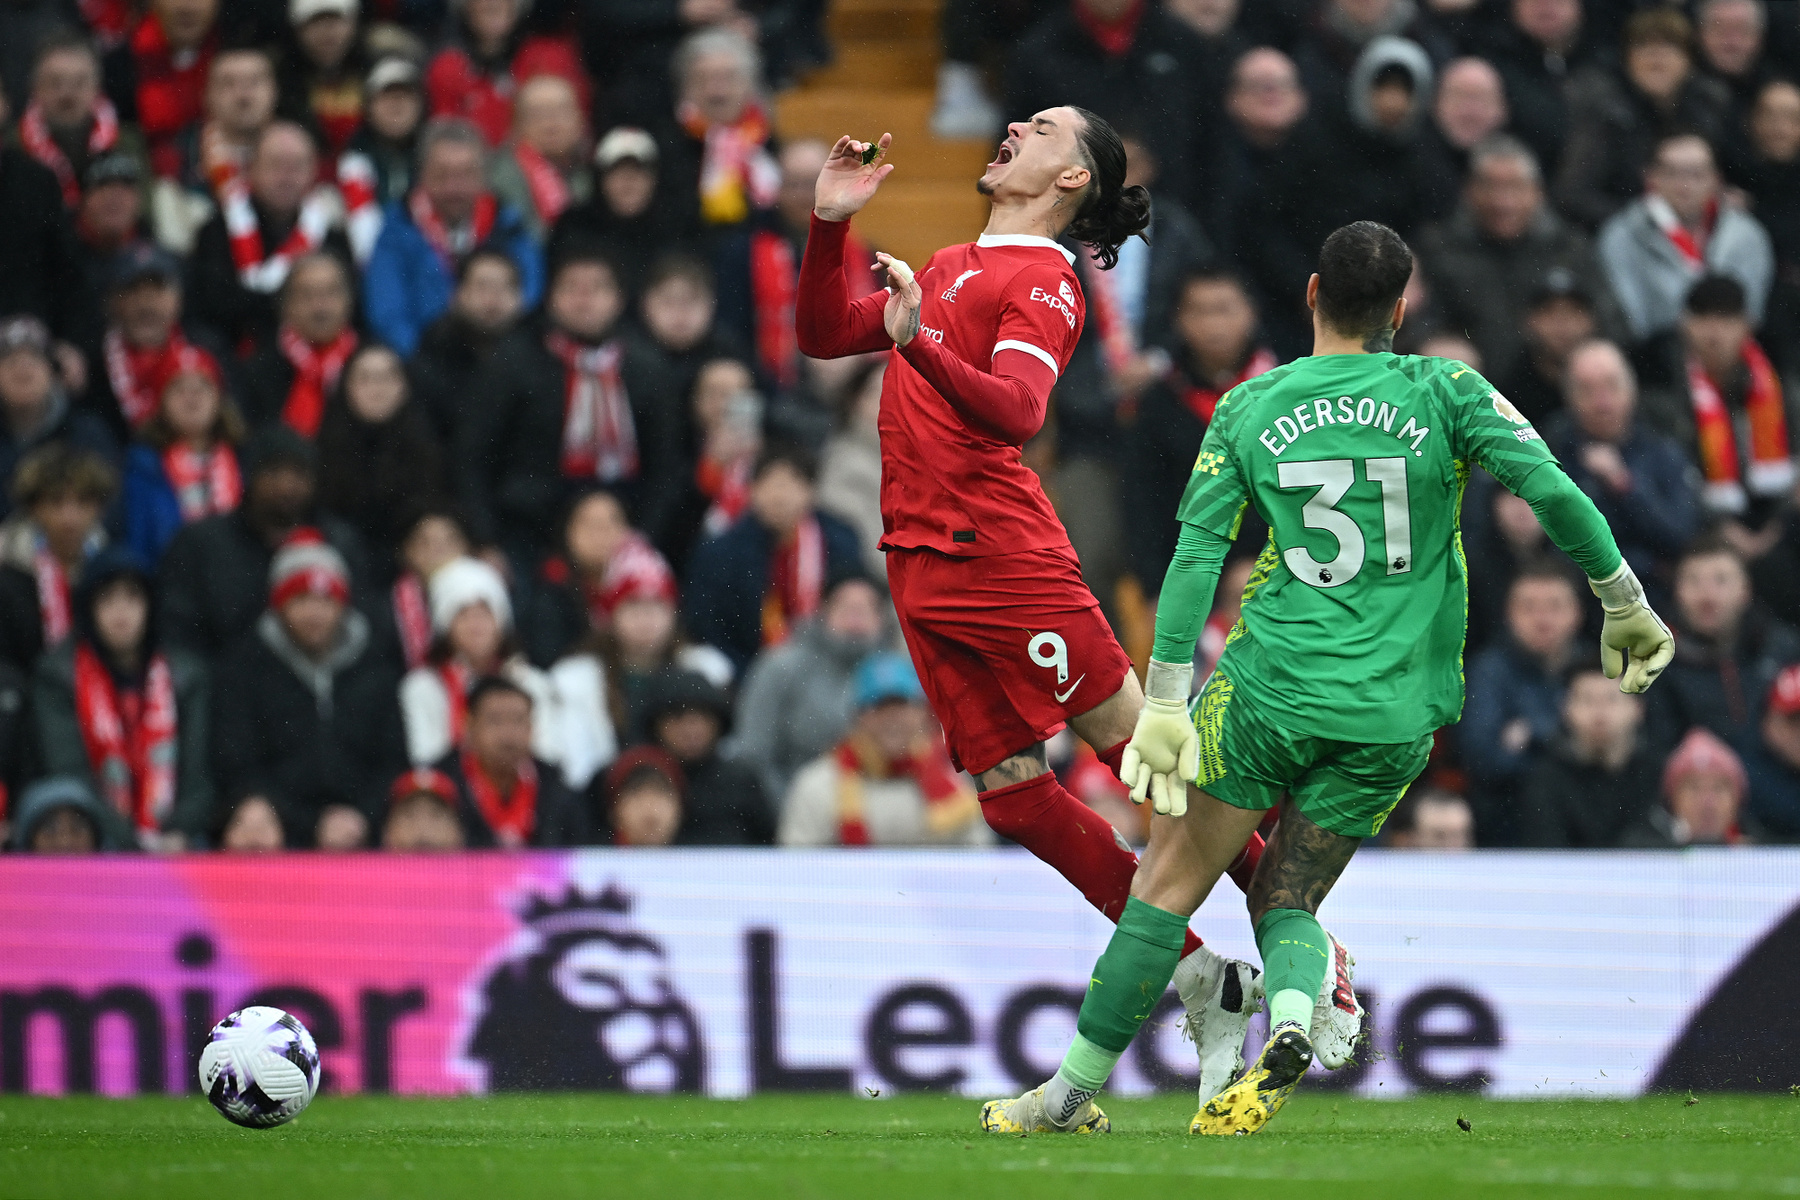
(1631, 629)
(1165, 751)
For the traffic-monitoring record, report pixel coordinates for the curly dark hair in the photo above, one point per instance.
(1110, 212)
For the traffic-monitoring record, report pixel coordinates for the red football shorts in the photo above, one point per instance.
(1007, 647)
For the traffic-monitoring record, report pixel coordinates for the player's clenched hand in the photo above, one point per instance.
(1164, 752)
(905, 298)
(851, 175)
(1634, 642)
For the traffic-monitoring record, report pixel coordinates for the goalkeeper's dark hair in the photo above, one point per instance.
(1110, 212)
(1363, 269)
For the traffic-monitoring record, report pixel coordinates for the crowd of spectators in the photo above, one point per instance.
(404, 441)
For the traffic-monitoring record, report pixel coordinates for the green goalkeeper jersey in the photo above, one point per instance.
(1354, 618)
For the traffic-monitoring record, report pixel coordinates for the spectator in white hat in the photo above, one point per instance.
(376, 167)
(324, 72)
(473, 637)
(627, 216)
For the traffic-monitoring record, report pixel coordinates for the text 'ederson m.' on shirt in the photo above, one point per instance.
(1354, 618)
(999, 322)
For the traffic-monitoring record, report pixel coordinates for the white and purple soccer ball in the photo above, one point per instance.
(260, 1067)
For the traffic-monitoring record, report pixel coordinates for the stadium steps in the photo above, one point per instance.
(883, 81)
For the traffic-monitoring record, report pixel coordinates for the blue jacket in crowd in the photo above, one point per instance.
(407, 285)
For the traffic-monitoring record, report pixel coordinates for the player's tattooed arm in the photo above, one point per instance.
(905, 299)
(1300, 865)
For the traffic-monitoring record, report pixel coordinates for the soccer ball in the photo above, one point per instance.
(260, 1067)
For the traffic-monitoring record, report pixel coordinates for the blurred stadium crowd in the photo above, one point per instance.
(404, 442)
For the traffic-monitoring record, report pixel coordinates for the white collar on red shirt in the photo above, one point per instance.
(987, 240)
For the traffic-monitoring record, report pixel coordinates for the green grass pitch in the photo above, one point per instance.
(798, 1147)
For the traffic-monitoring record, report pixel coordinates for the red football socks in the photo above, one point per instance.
(1242, 868)
(1114, 758)
(1042, 816)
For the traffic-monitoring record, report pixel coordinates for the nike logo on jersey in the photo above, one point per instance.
(950, 292)
(1063, 697)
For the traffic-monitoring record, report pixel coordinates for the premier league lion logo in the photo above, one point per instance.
(586, 1003)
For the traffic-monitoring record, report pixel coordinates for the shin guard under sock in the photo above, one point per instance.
(1045, 818)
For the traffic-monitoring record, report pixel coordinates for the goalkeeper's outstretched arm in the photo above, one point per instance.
(1635, 645)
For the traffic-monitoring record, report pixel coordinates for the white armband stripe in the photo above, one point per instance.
(1035, 352)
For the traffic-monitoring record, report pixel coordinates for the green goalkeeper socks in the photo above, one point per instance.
(1295, 953)
(1127, 984)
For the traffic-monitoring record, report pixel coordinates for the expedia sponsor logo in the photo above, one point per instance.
(1064, 304)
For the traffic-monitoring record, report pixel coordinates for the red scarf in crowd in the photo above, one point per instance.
(948, 805)
(737, 173)
(1692, 249)
(34, 132)
(135, 374)
(53, 595)
(1114, 37)
(1771, 464)
(206, 484)
(451, 249)
(599, 434)
(1202, 400)
(774, 290)
(316, 372)
(356, 181)
(338, 109)
(412, 617)
(774, 286)
(456, 680)
(549, 190)
(512, 817)
(796, 581)
(727, 485)
(171, 91)
(257, 268)
(130, 738)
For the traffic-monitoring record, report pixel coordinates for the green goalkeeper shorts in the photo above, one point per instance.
(1248, 761)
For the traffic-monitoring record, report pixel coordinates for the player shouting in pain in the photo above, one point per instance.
(1347, 657)
(1009, 642)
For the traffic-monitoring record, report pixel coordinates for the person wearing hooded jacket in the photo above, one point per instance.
(113, 708)
(796, 699)
(1359, 159)
(725, 804)
(61, 815)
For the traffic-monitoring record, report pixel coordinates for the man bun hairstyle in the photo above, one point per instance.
(1363, 270)
(1110, 212)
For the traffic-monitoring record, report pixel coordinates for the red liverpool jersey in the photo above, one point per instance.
(952, 474)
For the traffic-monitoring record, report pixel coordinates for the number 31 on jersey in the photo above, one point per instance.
(1331, 480)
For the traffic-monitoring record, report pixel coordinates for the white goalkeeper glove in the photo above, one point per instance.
(1165, 751)
(1634, 642)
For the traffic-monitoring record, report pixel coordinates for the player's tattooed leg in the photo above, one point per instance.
(1027, 764)
(1300, 865)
